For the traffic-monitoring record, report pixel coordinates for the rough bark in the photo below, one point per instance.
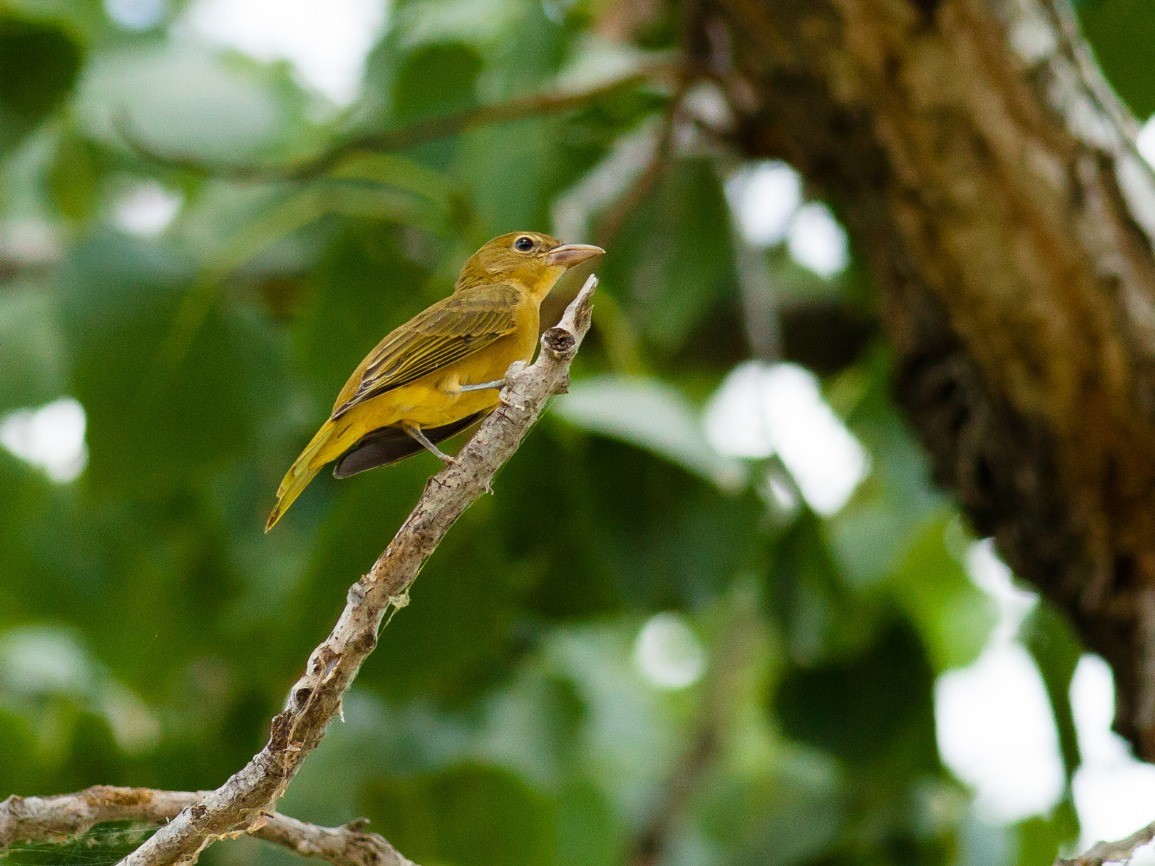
(66, 816)
(991, 181)
(242, 803)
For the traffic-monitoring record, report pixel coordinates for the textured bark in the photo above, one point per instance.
(242, 803)
(66, 816)
(991, 180)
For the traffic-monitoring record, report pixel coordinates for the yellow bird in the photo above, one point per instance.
(443, 369)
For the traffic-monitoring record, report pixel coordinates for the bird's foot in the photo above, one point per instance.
(415, 431)
(482, 386)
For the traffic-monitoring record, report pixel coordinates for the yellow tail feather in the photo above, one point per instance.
(305, 468)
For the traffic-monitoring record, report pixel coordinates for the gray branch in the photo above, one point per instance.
(25, 820)
(241, 804)
(1122, 851)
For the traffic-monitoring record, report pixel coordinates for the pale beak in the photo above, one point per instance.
(568, 255)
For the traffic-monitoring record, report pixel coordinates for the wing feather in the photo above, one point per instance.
(449, 330)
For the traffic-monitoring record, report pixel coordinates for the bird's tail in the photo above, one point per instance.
(303, 470)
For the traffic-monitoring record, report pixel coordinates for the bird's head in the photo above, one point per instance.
(529, 259)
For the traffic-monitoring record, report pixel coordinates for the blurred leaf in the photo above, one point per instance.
(890, 688)
(31, 348)
(39, 64)
(953, 615)
(438, 190)
(1053, 645)
(508, 167)
(75, 176)
(897, 498)
(653, 416)
(434, 80)
(439, 78)
(1121, 33)
(470, 815)
(645, 552)
(675, 254)
(1042, 840)
(821, 616)
(17, 754)
(788, 813)
(153, 422)
(588, 832)
(189, 101)
(532, 50)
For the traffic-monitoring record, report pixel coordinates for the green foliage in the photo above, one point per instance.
(39, 64)
(512, 713)
(1120, 31)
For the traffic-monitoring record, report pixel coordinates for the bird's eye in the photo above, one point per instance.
(523, 244)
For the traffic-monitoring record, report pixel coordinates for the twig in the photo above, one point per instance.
(241, 803)
(25, 820)
(419, 132)
(1113, 852)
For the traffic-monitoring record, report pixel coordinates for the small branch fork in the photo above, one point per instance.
(1122, 851)
(245, 803)
(315, 700)
(63, 817)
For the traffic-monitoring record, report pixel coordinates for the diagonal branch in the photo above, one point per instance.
(66, 816)
(240, 804)
(1113, 852)
(401, 138)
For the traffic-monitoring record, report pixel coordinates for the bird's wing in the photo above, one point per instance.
(387, 445)
(451, 329)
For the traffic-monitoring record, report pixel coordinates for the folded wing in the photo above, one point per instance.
(450, 330)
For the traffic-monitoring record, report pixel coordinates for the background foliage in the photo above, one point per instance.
(645, 601)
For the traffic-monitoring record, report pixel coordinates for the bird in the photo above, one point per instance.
(443, 370)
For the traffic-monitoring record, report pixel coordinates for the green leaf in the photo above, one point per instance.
(1056, 649)
(588, 832)
(821, 615)
(17, 754)
(953, 615)
(190, 101)
(897, 499)
(471, 815)
(1121, 33)
(869, 708)
(791, 812)
(1042, 839)
(159, 415)
(75, 177)
(675, 255)
(435, 79)
(508, 166)
(653, 416)
(31, 348)
(39, 64)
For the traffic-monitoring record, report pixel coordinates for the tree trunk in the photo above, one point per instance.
(990, 178)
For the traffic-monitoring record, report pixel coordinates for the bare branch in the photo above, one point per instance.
(1113, 852)
(429, 129)
(66, 816)
(241, 804)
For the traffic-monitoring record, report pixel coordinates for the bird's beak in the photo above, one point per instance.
(568, 255)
